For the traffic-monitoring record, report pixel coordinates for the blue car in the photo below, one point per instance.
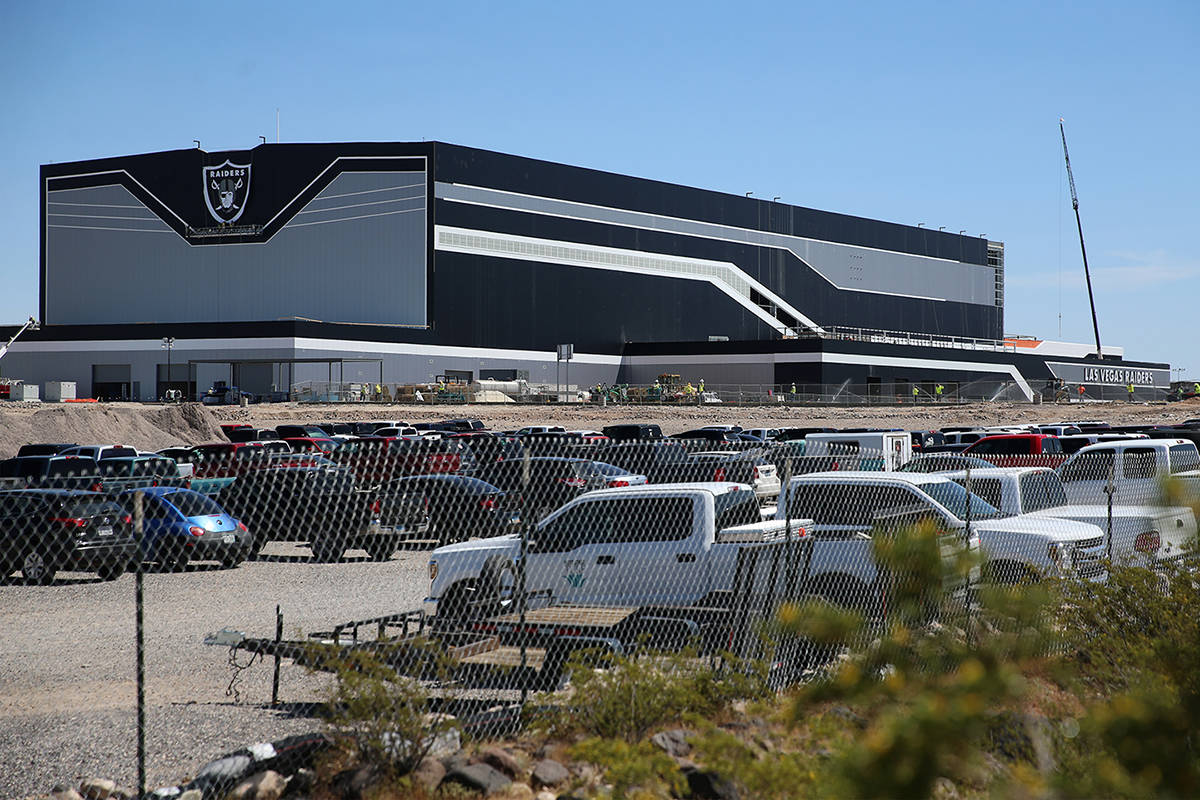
(181, 525)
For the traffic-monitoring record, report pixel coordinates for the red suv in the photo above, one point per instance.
(1019, 450)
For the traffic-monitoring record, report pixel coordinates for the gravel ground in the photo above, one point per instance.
(153, 426)
(68, 668)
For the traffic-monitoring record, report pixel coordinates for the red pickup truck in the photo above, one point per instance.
(376, 460)
(1019, 450)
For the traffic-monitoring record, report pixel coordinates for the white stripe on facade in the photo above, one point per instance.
(726, 277)
(570, 209)
(840, 358)
(351, 348)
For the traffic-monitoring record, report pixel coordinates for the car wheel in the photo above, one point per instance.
(231, 560)
(381, 550)
(174, 561)
(1008, 572)
(36, 568)
(110, 572)
(497, 586)
(455, 607)
(327, 549)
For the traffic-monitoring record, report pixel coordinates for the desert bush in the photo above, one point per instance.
(384, 714)
(624, 697)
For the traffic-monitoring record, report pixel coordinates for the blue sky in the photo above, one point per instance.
(938, 113)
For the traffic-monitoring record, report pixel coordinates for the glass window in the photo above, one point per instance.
(987, 488)
(957, 501)
(1184, 457)
(1138, 463)
(1096, 465)
(824, 504)
(1040, 491)
(736, 508)
(655, 519)
(193, 504)
(72, 466)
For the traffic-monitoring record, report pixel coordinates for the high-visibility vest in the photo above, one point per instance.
(915, 391)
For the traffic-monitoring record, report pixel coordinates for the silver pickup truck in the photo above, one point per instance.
(848, 506)
(662, 544)
(1147, 535)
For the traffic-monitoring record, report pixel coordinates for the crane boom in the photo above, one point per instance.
(1075, 205)
(30, 323)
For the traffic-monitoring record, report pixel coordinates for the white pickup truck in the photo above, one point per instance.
(847, 507)
(1137, 469)
(662, 544)
(1149, 535)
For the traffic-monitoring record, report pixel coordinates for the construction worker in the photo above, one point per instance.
(937, 392)
(689, 390)
(793, 390)
(1196, 390)
(701, 389)
(1129, 388)
(916, 393)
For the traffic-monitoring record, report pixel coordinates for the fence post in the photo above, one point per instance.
(278, 639)
(139, 633)
(526, 525)
(1110, 490)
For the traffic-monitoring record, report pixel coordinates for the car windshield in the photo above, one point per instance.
(194, 504)
(737, 508)
(958, 501)
(1040, 491)
(90, 507)
(600, 468)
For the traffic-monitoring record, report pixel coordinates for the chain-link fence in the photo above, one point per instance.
(481, 568)
(677, 391)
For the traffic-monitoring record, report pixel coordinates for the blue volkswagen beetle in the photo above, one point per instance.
(182, 525)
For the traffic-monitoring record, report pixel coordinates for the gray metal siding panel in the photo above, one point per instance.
(356, 253)
(846, 266)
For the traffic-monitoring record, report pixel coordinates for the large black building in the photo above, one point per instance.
(404, 261)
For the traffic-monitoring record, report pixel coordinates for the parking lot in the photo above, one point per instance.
(67, 666)
(68, 669)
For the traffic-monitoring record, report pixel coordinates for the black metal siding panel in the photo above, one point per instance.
(528, 305)
(458, 164)
(777, 269)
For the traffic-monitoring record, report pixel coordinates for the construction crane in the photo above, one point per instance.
(30, 324)
(1083, 249)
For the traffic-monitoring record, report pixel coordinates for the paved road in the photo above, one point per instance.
(68, 667)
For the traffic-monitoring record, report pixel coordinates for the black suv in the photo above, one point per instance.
(459, 507)
(318, 505)
(43, 531)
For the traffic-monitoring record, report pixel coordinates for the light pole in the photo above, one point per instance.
(168, 342)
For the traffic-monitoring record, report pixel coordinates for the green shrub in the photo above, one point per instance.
(636, 769)
(626, 697)
(384, 714)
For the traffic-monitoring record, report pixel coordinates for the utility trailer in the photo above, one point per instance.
(508, 650)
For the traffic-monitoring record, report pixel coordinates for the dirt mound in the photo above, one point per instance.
(143, 427)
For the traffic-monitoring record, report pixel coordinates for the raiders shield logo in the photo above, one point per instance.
(226, 189)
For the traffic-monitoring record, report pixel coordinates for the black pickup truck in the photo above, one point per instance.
(50, 472)
(319, 505)
(670, 461)
(138, 472)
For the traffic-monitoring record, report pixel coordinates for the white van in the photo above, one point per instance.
(880, 450)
